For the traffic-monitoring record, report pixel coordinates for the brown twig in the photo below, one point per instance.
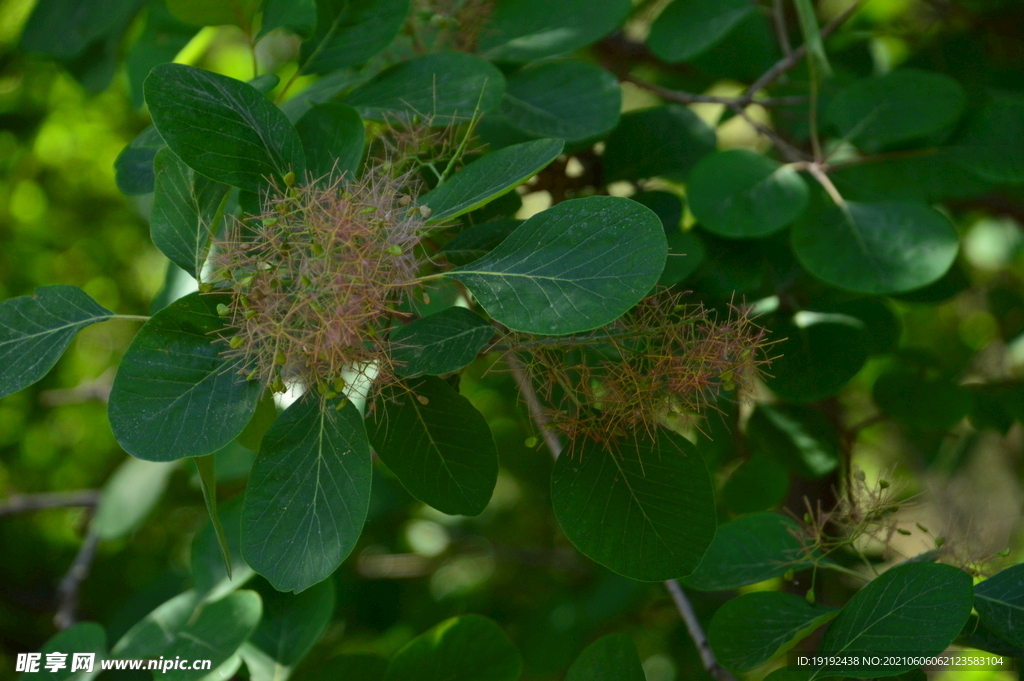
(793, 58)
(67, 592)
(682, 603)
(791, 153)
(681, 97)
(779, 22)
(22, 503)
(707, 656)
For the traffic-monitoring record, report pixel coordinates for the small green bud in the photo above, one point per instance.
(922, 528)
(280, 358)
(530, 442)
(368, 210)
(321, 387)
(860, 475)
(289, 179)
(884, 484)
(206, 287)
(249, 314)
(341, 405)
(278, 385)
(893, 508)
(306, 281)
(405, 200)
(790, 574)
(1004, 553)
(236, 342)
(339, 384)
(808, 518)
(811, 598)
(247, 279)
(394, 249)
(939, 541)
(223, 310)
(270, 222)
(316, 249)
(330, 395)
(905, 533)
(423, 400)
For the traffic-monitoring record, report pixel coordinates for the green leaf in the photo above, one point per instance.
(569, 100)
(661, 141)
(84, 637)
(912, 609)
(133, 169)
(292, 623)
(161, 40)
(477, 241)
(184, 627)
(877, 248)
(298, 16)
(644, 509)
(573, 267)
(36, 330)
(977, 635)
(206, 466)
(332, 135)
(931, 176)
(749, 550)
(740, 194)
(930, 403)
(350, 667)
(525, 30)
(67, 28)
(251, 436)
(128, 497)
(993, 145)
(175, 395)
(215, 12)
(488, 177)
(210, 579)
(187, 210)
(688, 27)
(800, 437)
(815, 360)
(441, 88)
(609, 658)
(467, 648)
(308, 494)
(759, 483)
(221, 127)
(439, 344)
(350, 32)
(902, 105)
(1000, 603)
(817, 59)
(749, 630)
(438, 445)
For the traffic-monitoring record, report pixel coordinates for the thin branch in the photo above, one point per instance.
(554, 444)
(791, 153)
(67, 592)
(533, 405)
(682, 97)
(23, 503)
(793, 58)
(816, 171)
(707, 655)
(879, 158)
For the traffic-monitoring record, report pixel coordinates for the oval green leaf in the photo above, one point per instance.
(925, 402)
(569, 100)
(749, 550)
(438, 445)
(573, 267)
(467, 648)
(187, 209)
(644, 509)
(129, 495)
(878, 248)
(993, 145)
(182, 627)
(525, 30)
(912, 609)
(749, 630)
(292, 623)
(902, 105)
(440, 343)
(221, 127)
(1000, 603)
(487, 178)
(800, 437)
(175, 395)
(609, 658)
(688, 27)
(36, 330)
(740, 194)
(133, 169)
(349, 33)
(308, 494)
(441, 88)
(816, 360)
(84, 637)
(661, 141)
(333, 136)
